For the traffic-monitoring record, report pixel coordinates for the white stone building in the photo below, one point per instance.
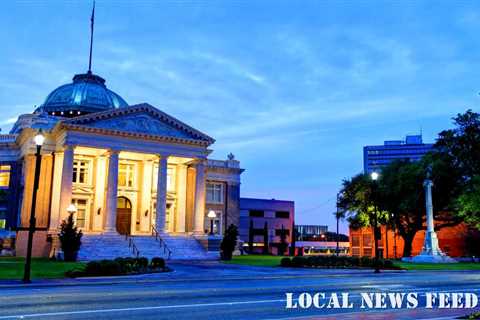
(135, 174)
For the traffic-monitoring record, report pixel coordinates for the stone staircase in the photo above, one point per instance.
(98, 247)
(182, 247)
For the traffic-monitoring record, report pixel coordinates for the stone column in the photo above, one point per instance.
(100, 186)
(199, 216)
(181, 197)
(161, 194)
(56, 191)
(66, 181)
(112, 188)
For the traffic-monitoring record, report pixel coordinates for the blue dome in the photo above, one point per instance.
(86, 94)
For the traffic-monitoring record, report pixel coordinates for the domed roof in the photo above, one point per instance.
(86, 94)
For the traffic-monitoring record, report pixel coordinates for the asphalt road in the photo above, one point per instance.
(215, 291)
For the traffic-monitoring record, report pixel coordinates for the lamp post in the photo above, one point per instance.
(71, 209)
(394, 237)
(39, 140)
(212, 215)
(374, 175)
(338, 217)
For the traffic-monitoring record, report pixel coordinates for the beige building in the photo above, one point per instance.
(138, 178)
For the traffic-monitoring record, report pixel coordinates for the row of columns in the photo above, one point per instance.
(65, 186)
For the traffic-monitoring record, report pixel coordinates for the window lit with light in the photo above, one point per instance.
(81, 171)
(214, 192)
(81, 214)
(4, 176)
(126, 175)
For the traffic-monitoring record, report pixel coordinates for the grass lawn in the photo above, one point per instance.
(256, 260)
(11, 268)
(438, 266)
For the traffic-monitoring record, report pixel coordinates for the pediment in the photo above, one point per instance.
(143, 120)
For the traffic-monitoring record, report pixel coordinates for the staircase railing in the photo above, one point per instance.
(162, 243)
(132, 246)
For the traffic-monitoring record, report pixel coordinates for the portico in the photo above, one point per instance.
(94, 176)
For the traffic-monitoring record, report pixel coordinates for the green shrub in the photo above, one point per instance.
(158, 263)
(70, 239)
(298, 261)
(229, 242)
(333, 261)
(286, 262)
(141, 263)
(93, 268)
(110, 268)
(388, 264)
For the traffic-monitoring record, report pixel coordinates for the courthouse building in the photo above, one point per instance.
(131, 171)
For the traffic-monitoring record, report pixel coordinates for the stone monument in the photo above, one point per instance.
(431, 252)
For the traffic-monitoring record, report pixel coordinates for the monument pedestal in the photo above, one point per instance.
(431, 252)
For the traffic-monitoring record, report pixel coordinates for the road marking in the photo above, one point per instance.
(199, 305)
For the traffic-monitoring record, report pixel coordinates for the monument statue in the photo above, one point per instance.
(431, 252)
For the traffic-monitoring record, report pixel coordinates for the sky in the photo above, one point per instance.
(294, 89)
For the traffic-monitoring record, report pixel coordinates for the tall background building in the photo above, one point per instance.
(412, 148)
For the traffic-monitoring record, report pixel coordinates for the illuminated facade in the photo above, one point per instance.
(130, 170)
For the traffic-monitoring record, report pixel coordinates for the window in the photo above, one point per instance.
(3, 218)
(282, 214)
(126, 175)
(170, 180)
(81, 171)
(355, 241)
(256, 213)
(214, 193)
(81, 215)
(4, 176)
(367, 240)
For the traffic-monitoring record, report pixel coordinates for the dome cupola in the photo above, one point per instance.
(86, 94)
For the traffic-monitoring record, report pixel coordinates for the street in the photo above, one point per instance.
(217, 291)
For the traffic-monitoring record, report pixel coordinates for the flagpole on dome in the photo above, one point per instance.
(92, 20)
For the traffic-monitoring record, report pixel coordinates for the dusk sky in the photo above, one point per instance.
(294, 89)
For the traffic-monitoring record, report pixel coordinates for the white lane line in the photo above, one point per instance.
(199, 305)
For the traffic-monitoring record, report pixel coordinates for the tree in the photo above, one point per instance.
(70, 239)
(461, 147)
(294, 240)
(251, 234)
(359, 200)
(229, 242)
(400, 197)
(283, 245)
(403, 196)
(265, 238)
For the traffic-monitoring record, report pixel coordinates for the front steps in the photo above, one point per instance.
(98, 247)
(183, 247)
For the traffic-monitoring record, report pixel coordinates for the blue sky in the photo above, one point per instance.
(294, 89)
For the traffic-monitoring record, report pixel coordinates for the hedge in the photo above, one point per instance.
(335, 262)
(119, 266)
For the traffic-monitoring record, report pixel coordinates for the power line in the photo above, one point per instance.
(318, 206)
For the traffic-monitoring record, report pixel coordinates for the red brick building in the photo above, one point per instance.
(458, 241)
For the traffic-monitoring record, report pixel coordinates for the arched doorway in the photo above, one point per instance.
(124, 215)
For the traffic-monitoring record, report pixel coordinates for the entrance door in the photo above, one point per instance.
(124, 215)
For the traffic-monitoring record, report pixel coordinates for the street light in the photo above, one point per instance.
(374, 175)
(212, 215)
(39, 139)
(71, 209)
